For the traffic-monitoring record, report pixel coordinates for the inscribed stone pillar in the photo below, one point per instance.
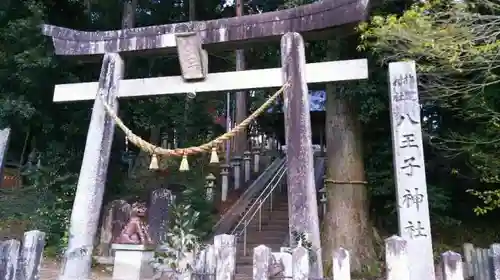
(302, 201)
(409, 164)
(91, 182)
(158, 214)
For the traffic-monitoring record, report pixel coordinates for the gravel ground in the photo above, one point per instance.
(50, 271)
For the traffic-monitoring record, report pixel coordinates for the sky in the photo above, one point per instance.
(316, 101)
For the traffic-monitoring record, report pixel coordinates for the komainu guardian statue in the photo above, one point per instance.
(136, 230)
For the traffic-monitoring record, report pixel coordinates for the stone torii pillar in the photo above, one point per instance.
(302, 201)
(91, 182)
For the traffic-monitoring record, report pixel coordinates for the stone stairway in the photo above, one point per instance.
(233, 195)
(273, 231)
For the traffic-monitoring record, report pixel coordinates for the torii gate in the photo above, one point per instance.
(313, 19)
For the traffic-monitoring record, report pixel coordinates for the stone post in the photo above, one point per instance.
(270, 145)
(247, 157)
(256, 159)
(396, 259)
(132, 262)
(224, 173)
(225, 254)
(341, 265)
(32, 254)
(323, 201)
(452, 266)
(495, 260)
(236, 162)
(302, 201)
(262, 261)
(10, 258)
(301, 264)
(4, 143)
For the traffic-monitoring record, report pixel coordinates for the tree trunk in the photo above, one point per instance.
(192, 10)
(240, 143)
(128, 17)
(346, 223)
(187, 100)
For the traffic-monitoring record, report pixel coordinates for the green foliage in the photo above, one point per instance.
(456, 50)
(490, 199)
(48, 197)
(182, 242)
(196, 198)
(300, 239)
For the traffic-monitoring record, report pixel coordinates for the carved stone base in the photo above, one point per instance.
(132, 262)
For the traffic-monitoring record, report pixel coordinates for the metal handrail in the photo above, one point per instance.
(256, 208)
(232, 216)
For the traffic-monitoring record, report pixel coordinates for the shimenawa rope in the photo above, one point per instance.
(184, 152)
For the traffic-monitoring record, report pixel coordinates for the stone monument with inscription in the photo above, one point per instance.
(158, 214)
(409, 169)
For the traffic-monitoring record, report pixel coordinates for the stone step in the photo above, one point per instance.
(243, 277)
(257, 242)
(272, 219)
(267, 226)
(247, 260)
(276, 211)
(265, 231)
(268, 218)
(275, 215)
(244, 270)
(275, 246)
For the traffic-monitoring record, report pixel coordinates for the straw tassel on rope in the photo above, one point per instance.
(184, 163)
(154, 162)
(214, 158)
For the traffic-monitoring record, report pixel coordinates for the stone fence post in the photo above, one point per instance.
(396, 258)
(452, 266)
(225, 254)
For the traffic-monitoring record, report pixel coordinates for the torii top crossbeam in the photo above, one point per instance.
(235, 32)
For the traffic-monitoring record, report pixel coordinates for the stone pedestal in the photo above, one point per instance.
(132, 262)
